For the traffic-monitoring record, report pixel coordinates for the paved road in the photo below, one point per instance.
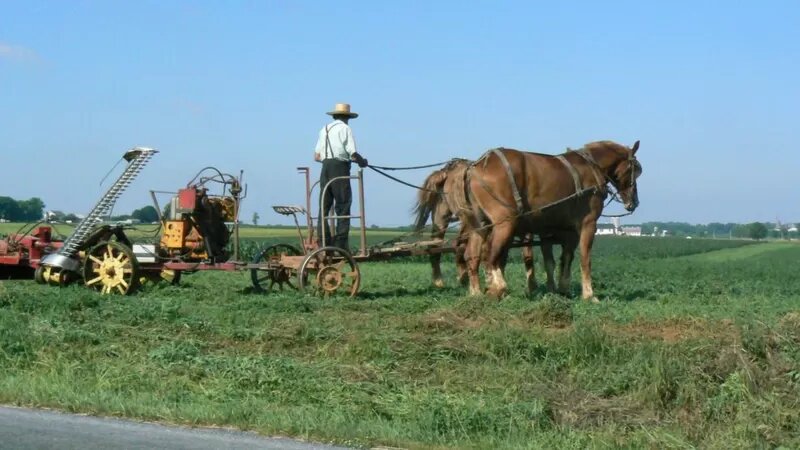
(23, 429)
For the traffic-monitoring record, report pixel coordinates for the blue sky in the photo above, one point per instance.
(710, 89)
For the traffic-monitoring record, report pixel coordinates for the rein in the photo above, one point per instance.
(426, 166)
(380, 170)
(405, 183)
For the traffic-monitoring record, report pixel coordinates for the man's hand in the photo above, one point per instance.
(360, 160)
(317, 157)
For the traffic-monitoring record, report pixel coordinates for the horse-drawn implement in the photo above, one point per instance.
(199, 231)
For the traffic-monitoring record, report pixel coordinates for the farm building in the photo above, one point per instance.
(631, 231)
(606, 229)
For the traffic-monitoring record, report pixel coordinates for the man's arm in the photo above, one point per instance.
(320, 147)
(349, 141)
(350, 147)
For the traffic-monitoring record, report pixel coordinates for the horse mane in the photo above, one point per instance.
(432, 194)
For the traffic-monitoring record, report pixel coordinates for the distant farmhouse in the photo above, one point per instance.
(607, 229)
(615, 229)
(631, 231)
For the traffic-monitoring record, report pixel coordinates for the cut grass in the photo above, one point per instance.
(683, 353)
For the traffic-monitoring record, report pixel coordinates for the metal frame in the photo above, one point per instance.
(323, 217)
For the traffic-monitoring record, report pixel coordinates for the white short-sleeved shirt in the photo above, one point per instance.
(342, 145)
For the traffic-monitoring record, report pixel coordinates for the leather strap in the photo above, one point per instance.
(507, 166)
(601, 181)
(575, 178)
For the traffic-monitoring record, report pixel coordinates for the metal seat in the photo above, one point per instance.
(289, 210)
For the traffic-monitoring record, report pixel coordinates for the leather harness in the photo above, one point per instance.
(579, 189)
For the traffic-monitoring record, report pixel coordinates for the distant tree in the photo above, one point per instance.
(31, 209)
(374, 227)
(255, 218)
(145, 215)
(21, 211)
(757, 230)
(71, 218)
(9, 208)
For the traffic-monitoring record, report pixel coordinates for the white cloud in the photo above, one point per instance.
(17, 53)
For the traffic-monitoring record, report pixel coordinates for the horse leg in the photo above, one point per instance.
(436, 268)
(549, 263)
(586, 241)
(530, 273)
(473, 259)
(568, 245)
(497, 251)
(461, 262)
(441, 218)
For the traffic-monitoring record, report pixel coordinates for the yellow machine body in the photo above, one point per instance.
(196, 230)
(173, 233)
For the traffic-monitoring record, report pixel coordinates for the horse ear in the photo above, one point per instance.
(635, 147)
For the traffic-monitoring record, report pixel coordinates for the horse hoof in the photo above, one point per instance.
(592, 299)
(496, 294)
(438, 283)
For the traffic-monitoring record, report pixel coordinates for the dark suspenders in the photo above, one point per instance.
(328, 141)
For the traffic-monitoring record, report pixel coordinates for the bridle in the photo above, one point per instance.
(633, 165)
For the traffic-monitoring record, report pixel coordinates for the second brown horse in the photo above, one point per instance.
(514, 193)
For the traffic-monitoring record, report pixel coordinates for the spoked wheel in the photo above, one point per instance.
(111, 268)
(266, 279)
(329, 270)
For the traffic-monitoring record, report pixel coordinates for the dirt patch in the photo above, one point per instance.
(572, 406)
(676, 330)
(790, 322)
(447, 320)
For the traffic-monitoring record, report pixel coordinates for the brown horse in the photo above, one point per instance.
(443, 198)
(434, 202)
(514, 193)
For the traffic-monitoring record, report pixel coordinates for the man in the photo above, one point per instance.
(336, 149)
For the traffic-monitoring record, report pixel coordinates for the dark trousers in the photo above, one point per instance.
(340, 196)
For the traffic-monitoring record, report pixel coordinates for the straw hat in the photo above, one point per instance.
(342, 109)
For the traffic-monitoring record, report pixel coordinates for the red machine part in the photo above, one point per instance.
(27, 250)
(187, 200)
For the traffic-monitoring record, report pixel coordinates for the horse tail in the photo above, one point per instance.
(457, 189)
(429, 197)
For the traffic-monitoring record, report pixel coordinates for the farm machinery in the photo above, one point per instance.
(22, 252)
(199, 231)
(194, 235)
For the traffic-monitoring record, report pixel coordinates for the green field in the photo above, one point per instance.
(695, 345)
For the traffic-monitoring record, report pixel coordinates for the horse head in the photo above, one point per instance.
(621, 168)
(623, 176)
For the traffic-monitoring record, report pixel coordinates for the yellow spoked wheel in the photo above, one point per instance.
(111, 268)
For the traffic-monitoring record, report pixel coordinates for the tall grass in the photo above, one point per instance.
(684, 352)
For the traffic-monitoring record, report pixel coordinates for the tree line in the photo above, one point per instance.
(30, 210)
(754, 230)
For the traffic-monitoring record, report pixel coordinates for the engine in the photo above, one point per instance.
(196, 226)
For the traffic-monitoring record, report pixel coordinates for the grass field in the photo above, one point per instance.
(696, 345)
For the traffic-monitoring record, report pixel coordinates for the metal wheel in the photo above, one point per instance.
(54, 276)
(329, 270)
(38, 275)
(265, 279)
(172, 277)
(111, 267)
